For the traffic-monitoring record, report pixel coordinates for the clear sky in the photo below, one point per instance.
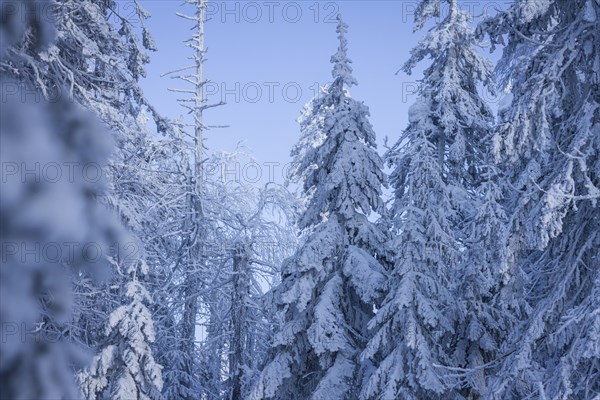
(267, 58)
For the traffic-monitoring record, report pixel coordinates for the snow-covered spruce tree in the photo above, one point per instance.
(330, 285)
(125, 369)
(439, 309)
(39, 212)
(549, 143)
(464, 145)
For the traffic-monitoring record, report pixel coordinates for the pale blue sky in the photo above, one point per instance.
(267, 57)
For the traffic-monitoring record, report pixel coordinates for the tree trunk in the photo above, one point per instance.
(239, 304)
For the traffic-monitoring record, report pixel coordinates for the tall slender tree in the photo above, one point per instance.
(330, 285)
(195, 227)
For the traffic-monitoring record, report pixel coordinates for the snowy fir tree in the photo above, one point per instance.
(548, 142)
(462, 135)
(125, 369)
(330, 285)
(438, 311)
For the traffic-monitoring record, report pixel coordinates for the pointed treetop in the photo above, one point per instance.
(453, 9)
(341, 63)
(432, 9)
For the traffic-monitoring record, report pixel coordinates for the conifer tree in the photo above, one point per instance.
(330, 285)
(125, 369)
(439, 312)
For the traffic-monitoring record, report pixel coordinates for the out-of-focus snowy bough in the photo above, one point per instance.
(49, 216)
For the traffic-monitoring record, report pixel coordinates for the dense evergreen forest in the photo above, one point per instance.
(461, 261)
